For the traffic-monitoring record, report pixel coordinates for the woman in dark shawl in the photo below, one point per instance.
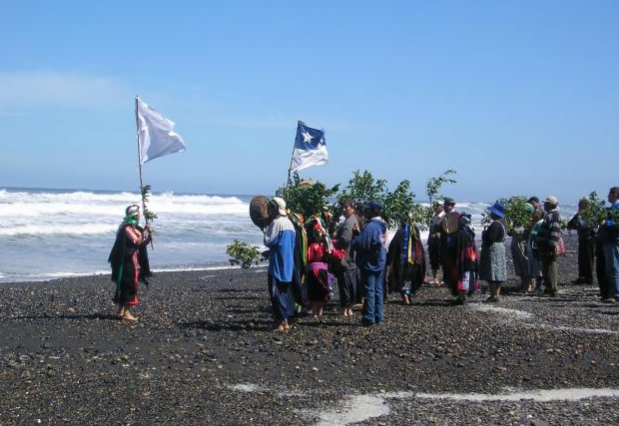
(406, 261)
(299, 287)
(129, 260)
(493, 262)
(434, 243)
(459, 257)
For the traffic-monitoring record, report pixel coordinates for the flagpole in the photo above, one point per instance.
(142, 192)
(289, 181)
(137, 126)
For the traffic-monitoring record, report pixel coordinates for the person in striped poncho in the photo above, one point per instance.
(548, 242)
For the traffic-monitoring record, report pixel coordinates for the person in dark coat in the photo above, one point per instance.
(406, 261)
(493, 262)
(434, 243)
(586, 244)
(459, 257)
(548, 240)
(299, 285)
(609, 232)
(345, 268)
(371, 253)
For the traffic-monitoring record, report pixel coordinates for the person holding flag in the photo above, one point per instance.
(129, 261)
(129, 257)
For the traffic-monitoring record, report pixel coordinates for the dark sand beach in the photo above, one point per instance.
(203, 353)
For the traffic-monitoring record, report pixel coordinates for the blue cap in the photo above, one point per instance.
(375, 205)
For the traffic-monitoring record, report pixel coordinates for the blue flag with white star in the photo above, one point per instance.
(310, 148)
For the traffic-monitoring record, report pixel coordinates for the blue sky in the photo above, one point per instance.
(519, 97)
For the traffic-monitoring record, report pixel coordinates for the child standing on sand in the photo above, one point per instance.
(317, 270)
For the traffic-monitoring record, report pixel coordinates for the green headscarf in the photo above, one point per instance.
(132, 212)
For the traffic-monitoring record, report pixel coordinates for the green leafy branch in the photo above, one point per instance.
(243, 254)
(434, 184)
(593, 212)
(148, 215)
(307, 197)
(364, 188)
(310, 198)
(433, 188)
(401, 202)
(518, 213)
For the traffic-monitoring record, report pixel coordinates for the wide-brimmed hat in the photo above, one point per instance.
(497, 209)
(552, 201)
(281, 205)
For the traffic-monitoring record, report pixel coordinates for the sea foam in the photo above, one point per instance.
(51, 233)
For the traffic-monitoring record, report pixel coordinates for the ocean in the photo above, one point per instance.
(46, 234)
(50, 233)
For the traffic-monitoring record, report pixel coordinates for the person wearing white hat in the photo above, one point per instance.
(279, 237)
(548, 241)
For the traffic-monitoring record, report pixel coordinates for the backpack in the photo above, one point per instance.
(560, 246)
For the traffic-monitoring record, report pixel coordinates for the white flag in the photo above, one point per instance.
(310, 148)
(156, 134)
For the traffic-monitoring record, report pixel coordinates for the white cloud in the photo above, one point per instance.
(63, 90)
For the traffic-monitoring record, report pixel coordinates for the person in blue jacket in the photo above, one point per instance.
(609, 233)
(279, 237)
(370, 247)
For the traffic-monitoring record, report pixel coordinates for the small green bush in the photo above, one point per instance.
(243, 254)
(594, 213)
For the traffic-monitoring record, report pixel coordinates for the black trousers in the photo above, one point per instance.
(600, 272)
(434, 251)
(347, 286)
(586, 253)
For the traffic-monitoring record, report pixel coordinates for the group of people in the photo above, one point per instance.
(308, 257)
(598, 248)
